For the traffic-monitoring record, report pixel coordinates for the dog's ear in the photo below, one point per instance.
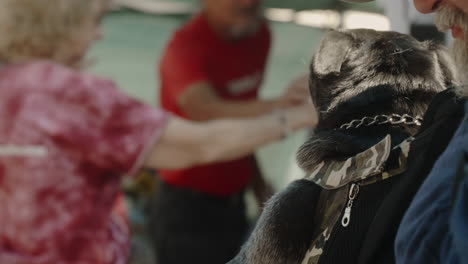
(332, 52)
(445, 61)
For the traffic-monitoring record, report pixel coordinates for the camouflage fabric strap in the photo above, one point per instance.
(363, 166)
(393, 119)
(375, 164)
(327, 215)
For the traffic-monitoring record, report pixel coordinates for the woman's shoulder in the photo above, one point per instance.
(48, 75)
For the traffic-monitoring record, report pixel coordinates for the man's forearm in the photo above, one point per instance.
(200, 102)
(231, 109)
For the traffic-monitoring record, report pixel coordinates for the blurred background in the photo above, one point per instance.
(137, 31)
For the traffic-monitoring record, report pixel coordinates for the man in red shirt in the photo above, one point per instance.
(213, 68)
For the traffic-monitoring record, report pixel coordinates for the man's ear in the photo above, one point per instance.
(332, 52)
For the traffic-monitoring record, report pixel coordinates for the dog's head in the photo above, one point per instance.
(365, 73)
(382, 72)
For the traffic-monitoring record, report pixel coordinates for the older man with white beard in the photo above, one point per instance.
(435, 227)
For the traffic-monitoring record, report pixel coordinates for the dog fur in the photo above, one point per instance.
(354, 74)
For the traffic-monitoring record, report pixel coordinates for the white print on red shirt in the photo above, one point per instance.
(244, 84)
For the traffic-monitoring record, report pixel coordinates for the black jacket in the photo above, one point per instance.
(440, 123)
(377, 215)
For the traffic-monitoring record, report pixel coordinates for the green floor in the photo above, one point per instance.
(132, 46)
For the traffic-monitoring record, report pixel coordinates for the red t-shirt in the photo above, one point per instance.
(66, 140)
(235, 70)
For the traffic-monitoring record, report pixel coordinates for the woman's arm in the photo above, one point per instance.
(185, 143)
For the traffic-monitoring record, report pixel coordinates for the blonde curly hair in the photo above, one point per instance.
(38, 29)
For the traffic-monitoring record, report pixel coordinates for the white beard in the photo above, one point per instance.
(460, 55)
(446, 18)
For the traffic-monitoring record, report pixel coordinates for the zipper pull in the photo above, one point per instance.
(353, 192)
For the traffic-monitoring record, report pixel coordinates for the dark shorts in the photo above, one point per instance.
(191, 227)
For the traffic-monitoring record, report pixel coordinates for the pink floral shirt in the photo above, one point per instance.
(66, 140)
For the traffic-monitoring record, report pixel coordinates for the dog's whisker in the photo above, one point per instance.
(401, 51)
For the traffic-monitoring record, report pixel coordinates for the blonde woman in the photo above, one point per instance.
(67, 137)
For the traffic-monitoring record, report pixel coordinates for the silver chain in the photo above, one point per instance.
(393, 119)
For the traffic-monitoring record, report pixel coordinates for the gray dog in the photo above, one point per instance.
(372, 90)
